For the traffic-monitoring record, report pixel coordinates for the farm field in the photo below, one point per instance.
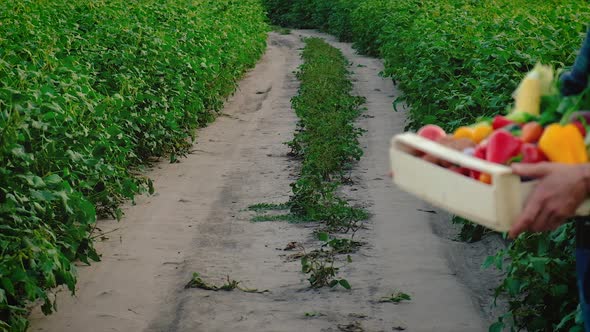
(240, 161)
(196, 166)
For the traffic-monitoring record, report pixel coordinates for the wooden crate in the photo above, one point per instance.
(495, 206)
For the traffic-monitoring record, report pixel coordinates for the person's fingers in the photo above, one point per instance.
(523, 223)
(527, 217)
(543, 221)
(531, 170)
(559, 214)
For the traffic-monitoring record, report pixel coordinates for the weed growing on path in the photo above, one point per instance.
(290, 218)
(269, 206)
(396, 297)
(229, 285)
(320, 264)
(327, 144)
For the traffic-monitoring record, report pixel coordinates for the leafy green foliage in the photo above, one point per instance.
(470, 232)
(539, 281)
(89, 92)
(331, 16)
(457, 61)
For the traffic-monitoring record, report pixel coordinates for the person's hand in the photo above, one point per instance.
(561, 190)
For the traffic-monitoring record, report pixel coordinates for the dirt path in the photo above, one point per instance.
(197, 222)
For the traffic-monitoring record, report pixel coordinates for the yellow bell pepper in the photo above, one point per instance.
(481, 132)
(563, 144)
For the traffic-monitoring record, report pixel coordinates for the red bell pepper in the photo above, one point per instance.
(432, 132)
(501, 122)
(502, 147)
(581, 127)
(531, 154)
(480, 152)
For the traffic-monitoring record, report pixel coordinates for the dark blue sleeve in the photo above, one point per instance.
(575, 81)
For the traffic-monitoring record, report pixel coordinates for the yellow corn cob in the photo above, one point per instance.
(528, 96)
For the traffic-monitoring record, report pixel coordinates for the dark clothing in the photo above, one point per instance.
(575, 81)
(583, 267)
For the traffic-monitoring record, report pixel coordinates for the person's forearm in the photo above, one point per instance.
(576, 80)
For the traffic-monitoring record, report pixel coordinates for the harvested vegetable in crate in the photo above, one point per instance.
(532, 132)
(467, 172)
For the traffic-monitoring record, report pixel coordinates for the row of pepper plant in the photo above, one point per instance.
(90, 93)
(327, 144)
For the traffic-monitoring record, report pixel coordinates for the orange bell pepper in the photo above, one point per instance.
(481, 132)
(485, 178)
(464, 132)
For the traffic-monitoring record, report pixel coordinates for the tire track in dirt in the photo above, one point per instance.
(198, 222)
